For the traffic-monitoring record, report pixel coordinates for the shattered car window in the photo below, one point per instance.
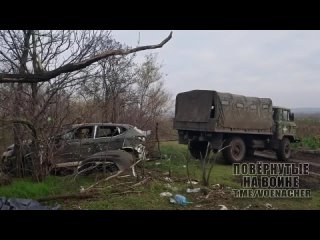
(68, 136)
(109, 131)
(84, 132)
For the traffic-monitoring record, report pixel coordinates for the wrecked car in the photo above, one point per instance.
(94, 144)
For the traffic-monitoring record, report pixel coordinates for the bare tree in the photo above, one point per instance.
(52, 64)
(150, 100)
(80, 57)
(107, 88)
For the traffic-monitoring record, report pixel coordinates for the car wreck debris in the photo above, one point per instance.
(88, 147)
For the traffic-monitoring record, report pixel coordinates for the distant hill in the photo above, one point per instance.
(307, 113)
(306, 110)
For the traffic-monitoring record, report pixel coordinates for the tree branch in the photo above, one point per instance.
(46, 76)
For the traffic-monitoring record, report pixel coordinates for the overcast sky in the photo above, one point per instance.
(281, 65)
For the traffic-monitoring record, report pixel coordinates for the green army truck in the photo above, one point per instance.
(237, 124)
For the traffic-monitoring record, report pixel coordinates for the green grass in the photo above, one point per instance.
(308, 142)
(177, 154)
(53, 185)
(146, 200)
(147, 196)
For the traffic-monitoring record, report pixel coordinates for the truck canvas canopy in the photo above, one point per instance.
(215, 111)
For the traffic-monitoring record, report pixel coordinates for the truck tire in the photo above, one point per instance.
(198, 149)
(236, 152)
(284, 151)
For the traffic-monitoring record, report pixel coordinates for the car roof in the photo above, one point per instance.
(101, 124)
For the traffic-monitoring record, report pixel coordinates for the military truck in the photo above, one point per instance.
(237, 124)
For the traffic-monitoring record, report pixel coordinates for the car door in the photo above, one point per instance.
(66, 147)
(84, 142)
(108, 137)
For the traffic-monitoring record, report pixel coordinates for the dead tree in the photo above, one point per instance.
(40, 64)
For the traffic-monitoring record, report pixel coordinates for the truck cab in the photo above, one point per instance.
(284, 124)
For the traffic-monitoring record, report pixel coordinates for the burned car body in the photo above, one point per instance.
(96, 143)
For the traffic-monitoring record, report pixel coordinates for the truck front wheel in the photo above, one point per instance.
(284, 151)
(236, 151)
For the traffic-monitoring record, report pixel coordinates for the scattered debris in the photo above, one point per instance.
(168, 179)
(157, 163)
(166, 194)
(23, 204)
(223, 207)
(228, 188)
(198, 206)
(192, 182)
(268, 205)
(172, 201)
(216, 185)
(248, 207)
(110, 177)
(184, 166)
(181, 200)
(208, 194)
(142, 182)
(193, 190)
(221, 192)
(168, 186)
(124, 176)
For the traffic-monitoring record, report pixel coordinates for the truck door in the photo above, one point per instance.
(277, 117)
(285, 125)
(292, 127)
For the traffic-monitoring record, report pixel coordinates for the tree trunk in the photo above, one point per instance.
(17, 134)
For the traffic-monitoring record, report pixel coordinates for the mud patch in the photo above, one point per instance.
(309, 155)
(309, 182)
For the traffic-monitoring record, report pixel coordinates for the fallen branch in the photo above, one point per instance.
(119, 184)
(141, 182)
(125, 176)
(108, 178)
(68, 196)
(123, 193)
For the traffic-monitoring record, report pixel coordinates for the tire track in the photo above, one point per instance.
(314, 167)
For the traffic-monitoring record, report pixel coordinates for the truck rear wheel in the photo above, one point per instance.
(284, 151)
(236, 152)
(198, 149)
